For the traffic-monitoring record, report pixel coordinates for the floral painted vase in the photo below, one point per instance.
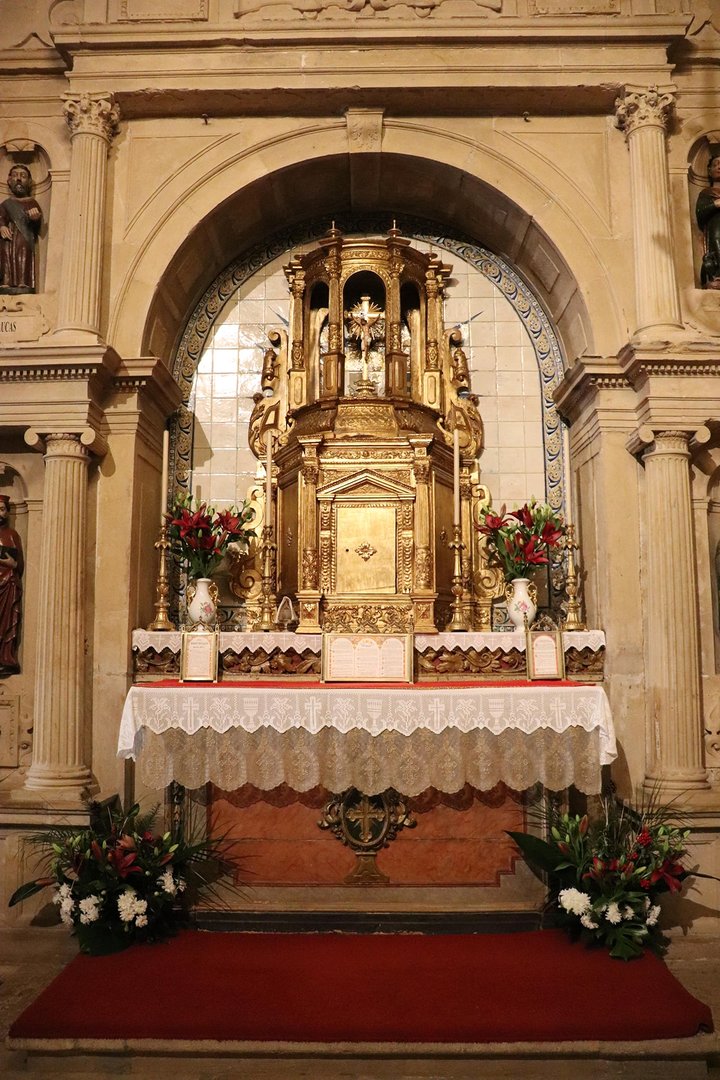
(521, 602)
(202, 595)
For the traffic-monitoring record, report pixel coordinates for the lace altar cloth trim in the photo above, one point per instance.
(369, 738)
(236, 641)
(372, 764)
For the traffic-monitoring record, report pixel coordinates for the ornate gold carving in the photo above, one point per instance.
(297, 356)
(326, 547)
(310, 473)
(334, 338)
(366, 551)
(423, 568)
(368, 618)
(432, 360)
(309, 568)
(366, 824)
(275, 662)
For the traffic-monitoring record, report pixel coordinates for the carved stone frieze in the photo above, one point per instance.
(364, 130)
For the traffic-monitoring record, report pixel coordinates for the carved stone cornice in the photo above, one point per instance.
(80, 377)
(148, 376)
(582, 382)
(644, 107)
(92, 114)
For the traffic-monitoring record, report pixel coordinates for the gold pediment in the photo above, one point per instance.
(364, 484)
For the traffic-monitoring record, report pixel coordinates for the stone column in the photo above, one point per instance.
(675, 754)
(642, 114)
(93, 121)
(58, 766)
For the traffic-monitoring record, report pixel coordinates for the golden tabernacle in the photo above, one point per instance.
(363, 400)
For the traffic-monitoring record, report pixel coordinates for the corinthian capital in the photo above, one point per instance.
(644, 107)
(91, 114)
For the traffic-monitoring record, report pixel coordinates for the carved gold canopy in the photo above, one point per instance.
(360, 399)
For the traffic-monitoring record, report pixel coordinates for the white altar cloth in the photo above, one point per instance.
(275, 639)
(408, 738)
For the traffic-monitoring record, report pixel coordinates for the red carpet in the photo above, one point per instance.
(534, 986)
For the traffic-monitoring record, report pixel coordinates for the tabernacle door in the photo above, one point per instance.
(366, 548)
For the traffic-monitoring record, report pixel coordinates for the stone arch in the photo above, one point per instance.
(514, 216)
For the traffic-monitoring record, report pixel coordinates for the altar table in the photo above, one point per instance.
(339, 736)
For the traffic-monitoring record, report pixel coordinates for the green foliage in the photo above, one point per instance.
(119, 881)
(606, 875)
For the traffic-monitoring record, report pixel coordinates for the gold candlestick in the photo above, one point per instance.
(162, 589)
(457, 622)
(574, 619)
(268, 592)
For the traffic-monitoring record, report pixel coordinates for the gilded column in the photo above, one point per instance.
(424, 590)
(309, 569)
(642, 114)
(333, 361)
(675, 752)
(58, 766)
(93, 121)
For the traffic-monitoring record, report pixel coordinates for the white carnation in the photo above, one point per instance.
(89, 909)
(575, 901)
(127, 905)
(612, 913)
(653, 915)
(167, 883)
(141, 920)
(627, 912)
(588, 922)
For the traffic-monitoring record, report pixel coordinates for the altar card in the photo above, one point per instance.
(199, 655)
(545, 654)
(371, 658)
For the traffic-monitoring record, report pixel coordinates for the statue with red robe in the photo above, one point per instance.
(20, 220)
(11, 570)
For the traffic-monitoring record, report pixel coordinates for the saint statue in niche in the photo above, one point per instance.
(707, 212)
(11, 569)
(20, 220)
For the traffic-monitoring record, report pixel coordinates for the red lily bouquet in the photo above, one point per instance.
(520, 540)
(119, 881)
(606, 875)
(200, 535)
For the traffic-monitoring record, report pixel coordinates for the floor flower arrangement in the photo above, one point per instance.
(607, 874)
(119, 881)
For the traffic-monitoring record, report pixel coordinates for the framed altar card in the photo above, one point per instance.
(199, 655)
(371, 658)
(545, 654)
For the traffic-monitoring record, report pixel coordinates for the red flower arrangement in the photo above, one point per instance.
(200, 535)
(606, 874)
(520, 540)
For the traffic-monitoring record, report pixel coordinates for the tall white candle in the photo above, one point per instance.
(164, 475)
(268, 479)
(456, 477)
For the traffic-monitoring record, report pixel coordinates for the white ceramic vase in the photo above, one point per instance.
(202, 597)
(521, 602)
